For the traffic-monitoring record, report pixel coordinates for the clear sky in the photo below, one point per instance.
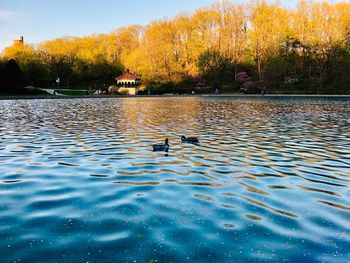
(39, 20)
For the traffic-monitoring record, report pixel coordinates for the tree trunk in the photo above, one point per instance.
(236, 71)
(320, 84)
(259, 68)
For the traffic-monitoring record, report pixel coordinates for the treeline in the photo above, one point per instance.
(87, 61)
(229, 46)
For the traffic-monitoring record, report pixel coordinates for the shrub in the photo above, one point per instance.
(113, 89)
(123, 91)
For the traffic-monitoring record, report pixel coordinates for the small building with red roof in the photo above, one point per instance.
(130, 82)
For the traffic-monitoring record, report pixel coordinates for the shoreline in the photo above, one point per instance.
(43, 97)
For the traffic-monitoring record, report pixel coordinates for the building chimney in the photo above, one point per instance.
(22, 39)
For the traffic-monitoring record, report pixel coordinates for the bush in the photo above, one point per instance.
(123, 91)
(113, 89)
(252, 90)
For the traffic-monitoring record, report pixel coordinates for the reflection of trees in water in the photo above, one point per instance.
(257, 125)
(165, 116)
(80, 120)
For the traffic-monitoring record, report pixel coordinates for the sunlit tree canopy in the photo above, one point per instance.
(269, 42)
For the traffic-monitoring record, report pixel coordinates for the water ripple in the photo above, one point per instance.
(269, 181)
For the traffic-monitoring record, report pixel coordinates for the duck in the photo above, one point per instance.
(161, 147)
(189, 139)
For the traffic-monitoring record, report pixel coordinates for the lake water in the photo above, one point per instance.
(270, 180)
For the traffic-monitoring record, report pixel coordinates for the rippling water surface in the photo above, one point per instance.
(270, 180)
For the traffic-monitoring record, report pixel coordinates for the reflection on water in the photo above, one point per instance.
(270, 180)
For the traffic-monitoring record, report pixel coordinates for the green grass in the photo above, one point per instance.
(72, 92)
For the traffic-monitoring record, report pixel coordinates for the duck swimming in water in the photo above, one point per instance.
(189, 139)
(161, 147)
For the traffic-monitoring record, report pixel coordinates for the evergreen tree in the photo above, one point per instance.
(12, 77)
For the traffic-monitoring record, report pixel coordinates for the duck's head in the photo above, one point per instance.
(183, 138)
(166, 141)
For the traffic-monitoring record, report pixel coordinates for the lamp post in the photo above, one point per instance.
(58, 82)
(58, 85)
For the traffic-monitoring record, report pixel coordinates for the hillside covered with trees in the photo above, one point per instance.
(228, 46)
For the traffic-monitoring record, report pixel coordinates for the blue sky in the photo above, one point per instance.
(39, 20)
